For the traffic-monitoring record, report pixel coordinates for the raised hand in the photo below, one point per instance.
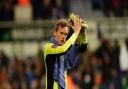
(77, 24)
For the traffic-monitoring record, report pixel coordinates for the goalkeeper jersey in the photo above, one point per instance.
(58, 59)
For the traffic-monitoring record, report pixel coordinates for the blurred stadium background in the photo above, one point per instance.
(25, 26)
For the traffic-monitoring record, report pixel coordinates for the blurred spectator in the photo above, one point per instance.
(96, 70)
(115, 78)
(97, 4)
(125, 72)
(45, 9)
(125, 6)
(108, 7)
(23, 2)
(56, 8)
(126, 42)
(70, 82)
(7, 11)
(115, 55)
(104, 53)
(61, 8)
(16, 73)
(123, 57)
(4, 60)
(42, 9)
(125, 80)
(87, 78)
(4, 82)
(35, 7)
(117, 8)
(50, 9)
(66, 7)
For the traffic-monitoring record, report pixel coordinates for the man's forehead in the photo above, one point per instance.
(63, 28)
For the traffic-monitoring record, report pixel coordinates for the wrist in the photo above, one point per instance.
(77, 32)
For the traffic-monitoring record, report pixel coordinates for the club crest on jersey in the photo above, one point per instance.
(54, 46)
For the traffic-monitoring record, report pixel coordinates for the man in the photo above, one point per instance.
(60, 55)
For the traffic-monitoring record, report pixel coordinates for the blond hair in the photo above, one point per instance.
(60, 24)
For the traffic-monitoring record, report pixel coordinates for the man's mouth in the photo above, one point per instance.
(62, 41)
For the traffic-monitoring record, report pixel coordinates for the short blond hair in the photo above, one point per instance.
(61, 24)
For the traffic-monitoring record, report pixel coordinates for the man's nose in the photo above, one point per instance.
(64, 37)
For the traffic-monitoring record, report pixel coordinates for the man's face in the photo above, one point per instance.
(61, 34)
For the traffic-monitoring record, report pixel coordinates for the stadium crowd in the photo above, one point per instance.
(116, 8)
(54, 9)
(41, 9)
(99, 69)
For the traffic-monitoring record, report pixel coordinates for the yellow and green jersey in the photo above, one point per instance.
(58, 59)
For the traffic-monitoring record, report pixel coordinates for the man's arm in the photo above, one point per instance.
(76, 49)
(60, 49)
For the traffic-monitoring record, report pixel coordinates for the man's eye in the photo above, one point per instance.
(61, 33)
(65, 33)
